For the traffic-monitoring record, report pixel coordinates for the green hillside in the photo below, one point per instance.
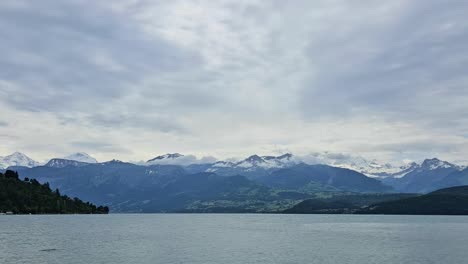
(31, 197)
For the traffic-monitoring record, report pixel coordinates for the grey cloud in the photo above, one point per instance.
(425, 146)
(8, 137)
(98, 146)
(63, 56)
(141, 120)
(3, 124)
(411, 68)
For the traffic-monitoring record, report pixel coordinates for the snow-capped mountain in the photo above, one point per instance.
(255, 162)
(267, 162)
(179, 159)
(17, 159)
(371, 168)
(62, 163)
(430, 175)
(168, 156)
(81, 157)
(434, 163)
(223, 164)
(426, 166)
(374, 168)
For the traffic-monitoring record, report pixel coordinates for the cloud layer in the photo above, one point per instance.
(134, 79)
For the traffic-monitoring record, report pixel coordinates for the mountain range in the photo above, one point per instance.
(254, 184)
(371, 168)
(20, 159)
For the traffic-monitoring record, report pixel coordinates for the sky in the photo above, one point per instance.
(132, 79)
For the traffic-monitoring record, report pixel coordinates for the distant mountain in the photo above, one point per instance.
(271, 182)
(31, 197)
(456, 178)
(254, 166)
(322, 177)
(169, 156)
(267, 162)
(449, 201)
(81, 157)
(62, 163)
(423, 178)
(371, 168)
(127, 187)
(17, 159)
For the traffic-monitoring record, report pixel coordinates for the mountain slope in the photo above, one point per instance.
(455, 178)
(424, 178)
(104, 183)
(205, 192)
(298, 176)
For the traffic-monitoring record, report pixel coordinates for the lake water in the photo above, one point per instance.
(233, 238)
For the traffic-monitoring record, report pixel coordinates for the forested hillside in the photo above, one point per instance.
(28, 196)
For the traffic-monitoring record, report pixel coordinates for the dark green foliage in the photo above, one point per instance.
(340, 204)
(449, 201)
(31, 197)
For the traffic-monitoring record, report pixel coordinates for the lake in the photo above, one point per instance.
(232, 238)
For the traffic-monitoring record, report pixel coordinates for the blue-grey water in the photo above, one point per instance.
(233, 238)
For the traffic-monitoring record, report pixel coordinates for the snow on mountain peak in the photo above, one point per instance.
(62, 163)
(179, 159)
(434, 163)
(287, 156)
(81, 157)
(254, 159)
(223, 164)
(17, 159)
(166, 156)
(266, 162)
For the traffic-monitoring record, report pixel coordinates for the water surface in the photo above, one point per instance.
(233, 238)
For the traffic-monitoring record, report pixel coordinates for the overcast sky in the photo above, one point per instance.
(133, 79)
